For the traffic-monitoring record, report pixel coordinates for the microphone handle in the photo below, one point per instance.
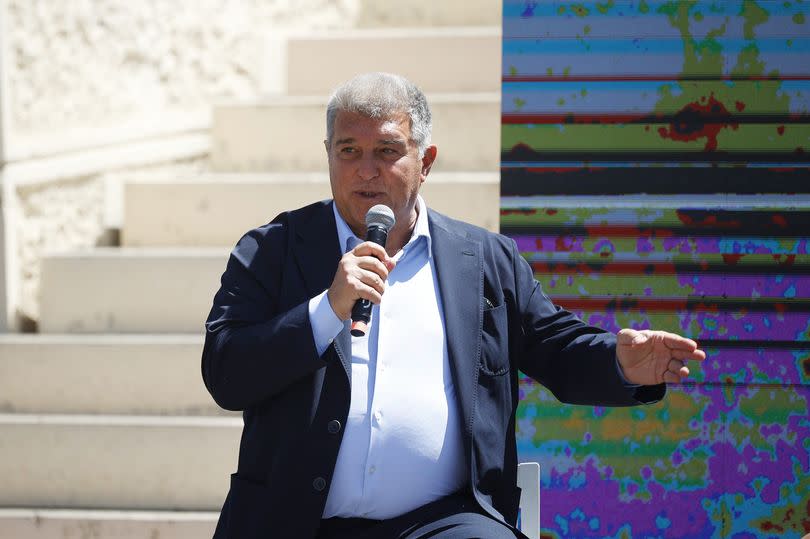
(377, 234)
(361, 312)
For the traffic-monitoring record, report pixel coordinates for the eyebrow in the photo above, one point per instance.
(389, 142)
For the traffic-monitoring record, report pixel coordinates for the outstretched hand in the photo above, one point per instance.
(653, 357)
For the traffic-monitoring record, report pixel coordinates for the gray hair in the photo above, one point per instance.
(382, 95)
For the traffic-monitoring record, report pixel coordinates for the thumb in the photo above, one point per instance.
(631, 337)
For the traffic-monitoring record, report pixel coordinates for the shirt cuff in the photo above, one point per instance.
(325, 323)
(624, 380)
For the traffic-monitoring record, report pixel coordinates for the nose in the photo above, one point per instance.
(367, 168)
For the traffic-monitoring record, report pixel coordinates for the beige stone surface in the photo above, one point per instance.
(117, 462)
(103, 374)
(104, 62)
(109, 290)
(216, 209)
(450, 59)
(415, 13)
(286, 134)
(63, 216)
(64, 524)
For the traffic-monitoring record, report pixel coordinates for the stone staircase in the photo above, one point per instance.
(106, 429)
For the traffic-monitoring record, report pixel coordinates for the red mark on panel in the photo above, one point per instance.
(740, 106)
(518, 211)
(785, 260)
(780, 130)
(562, 244)
(779, 220)
(707, 220)
(768, 526)
(731, 259)
(696, 121)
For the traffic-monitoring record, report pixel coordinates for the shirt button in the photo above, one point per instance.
(333, 427)
(377, 416)
(319, 484)
(372, 469)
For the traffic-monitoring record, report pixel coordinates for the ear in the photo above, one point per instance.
(427, 160)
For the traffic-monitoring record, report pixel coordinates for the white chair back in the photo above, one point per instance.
(528, 480)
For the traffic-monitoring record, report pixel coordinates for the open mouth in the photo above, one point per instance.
(369, 194)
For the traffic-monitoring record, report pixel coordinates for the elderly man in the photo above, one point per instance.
(409, 431)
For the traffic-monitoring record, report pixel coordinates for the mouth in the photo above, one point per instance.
(369, 195)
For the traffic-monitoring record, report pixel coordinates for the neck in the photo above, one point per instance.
(399, 235)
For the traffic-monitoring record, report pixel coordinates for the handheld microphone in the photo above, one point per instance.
(379, 220)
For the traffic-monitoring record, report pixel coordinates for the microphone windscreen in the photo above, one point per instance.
(380, 216)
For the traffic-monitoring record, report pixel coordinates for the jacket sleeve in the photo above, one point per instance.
(254, 350)
(575, 361)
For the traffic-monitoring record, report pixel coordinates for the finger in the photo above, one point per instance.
(364, 290)
(676, 342)
(674, 365)
(671, 378)
(369, 263)
(677, 366)
(685, 355)
(369, 278)
(368, 248)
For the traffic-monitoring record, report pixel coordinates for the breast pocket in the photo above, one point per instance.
(494, 338)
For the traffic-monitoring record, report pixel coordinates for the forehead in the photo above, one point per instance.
(353, 125)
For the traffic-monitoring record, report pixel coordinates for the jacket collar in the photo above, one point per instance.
(318, 251)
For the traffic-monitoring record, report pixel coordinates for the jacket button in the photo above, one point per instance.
(333, 427)
(319, 484)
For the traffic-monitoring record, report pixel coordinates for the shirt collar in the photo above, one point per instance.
(420, 229)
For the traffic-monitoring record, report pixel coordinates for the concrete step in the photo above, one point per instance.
(438, 59)
(103, 374)
(215, 210)
(117, 462)
(286, 134)
(113, 290)
(414, 13)
(65, 523)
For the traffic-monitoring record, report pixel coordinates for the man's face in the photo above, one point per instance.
(373, 161)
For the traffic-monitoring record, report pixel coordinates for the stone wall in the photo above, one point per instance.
(65, 215)
(101, 62)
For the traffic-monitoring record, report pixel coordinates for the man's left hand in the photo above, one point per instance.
(654, 357)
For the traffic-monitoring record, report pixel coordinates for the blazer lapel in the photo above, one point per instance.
(317, 252)
(459, 271)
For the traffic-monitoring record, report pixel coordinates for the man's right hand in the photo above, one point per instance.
(361, 273)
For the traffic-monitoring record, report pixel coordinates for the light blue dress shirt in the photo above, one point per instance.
(402, 445)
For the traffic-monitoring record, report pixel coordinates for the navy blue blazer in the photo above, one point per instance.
(259, 357)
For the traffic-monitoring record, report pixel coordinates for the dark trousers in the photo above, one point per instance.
(455, 517)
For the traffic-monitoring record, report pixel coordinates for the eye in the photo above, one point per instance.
(387, 151)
